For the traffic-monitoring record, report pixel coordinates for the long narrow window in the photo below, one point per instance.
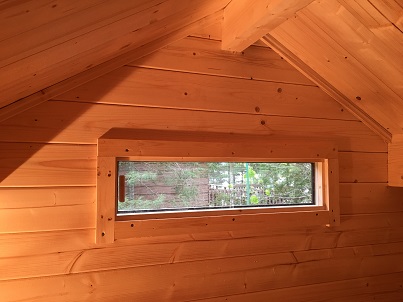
(160, 186)
(157, 183)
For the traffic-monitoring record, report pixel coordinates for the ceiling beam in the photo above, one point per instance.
(183, 27)
(246, 21)
(300, 65)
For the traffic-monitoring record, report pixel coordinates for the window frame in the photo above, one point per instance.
(168, 145)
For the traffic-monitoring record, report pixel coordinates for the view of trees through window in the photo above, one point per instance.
(156, 186)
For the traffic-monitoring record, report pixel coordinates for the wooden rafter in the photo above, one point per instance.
(247, 21)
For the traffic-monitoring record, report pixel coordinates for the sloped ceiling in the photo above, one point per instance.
(352, 49)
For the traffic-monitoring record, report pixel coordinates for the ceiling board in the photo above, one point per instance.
(353, 63)
(66, 51)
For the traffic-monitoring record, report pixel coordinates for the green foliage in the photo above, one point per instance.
(141, 203)
(254, 199)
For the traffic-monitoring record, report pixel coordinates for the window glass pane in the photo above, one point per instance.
(163, 186)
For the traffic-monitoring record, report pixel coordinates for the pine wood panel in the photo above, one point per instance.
(363, 167)
(84, 123)
(14, 14)
(372, 236)
(165, 89)
(205, 56)
(154, 21)
(330, 291)
(327, 87)
(369, 221)
(311, 44)
(178, 144)
(361, 198)
(395, 162)
(106, 198)
(354, 230)
(24, 164)
(15, 198)
(198, 280)
(211, 32)
(47, 242)
(47, 218)
(175, 226)
(139, 255)
(69, 83)
(72, 19)
(377, 228)
(338, 22)
(391, 296)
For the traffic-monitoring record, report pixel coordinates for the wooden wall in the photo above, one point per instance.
(47, 195)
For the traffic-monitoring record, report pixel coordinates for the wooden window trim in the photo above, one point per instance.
(131, 144)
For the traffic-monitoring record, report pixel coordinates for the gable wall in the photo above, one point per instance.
(48, 175)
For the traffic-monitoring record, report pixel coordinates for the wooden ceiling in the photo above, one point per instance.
(352, 49)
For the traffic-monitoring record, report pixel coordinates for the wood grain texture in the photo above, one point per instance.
(337, 21)
(47, 154)
(340, 291)
(24, 164)
(247, 21)
(205, 224)
(363, 167)
(46, 242)
(29, 197)
(307, 40)
(147, 22)
(362, 198)
(131, 256)
(166, 89)
(204, 56)
(47, 218)
(84, 123)
(225, 277)
(106, 199)
(395, 162)
(92, 72)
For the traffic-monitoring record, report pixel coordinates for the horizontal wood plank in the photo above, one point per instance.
(140, 255)
(362, 198)
(357, 167)
(47, 242)
(339, 290)
(204, 56)
(371, 236)
(174, 226)
(156, 254)
(84, 123)
(15, 198)
(199, 280)
(47, 218)
(353, 231)
(165, 89)
(32, 164)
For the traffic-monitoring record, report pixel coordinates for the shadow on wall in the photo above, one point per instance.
(60, 139)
